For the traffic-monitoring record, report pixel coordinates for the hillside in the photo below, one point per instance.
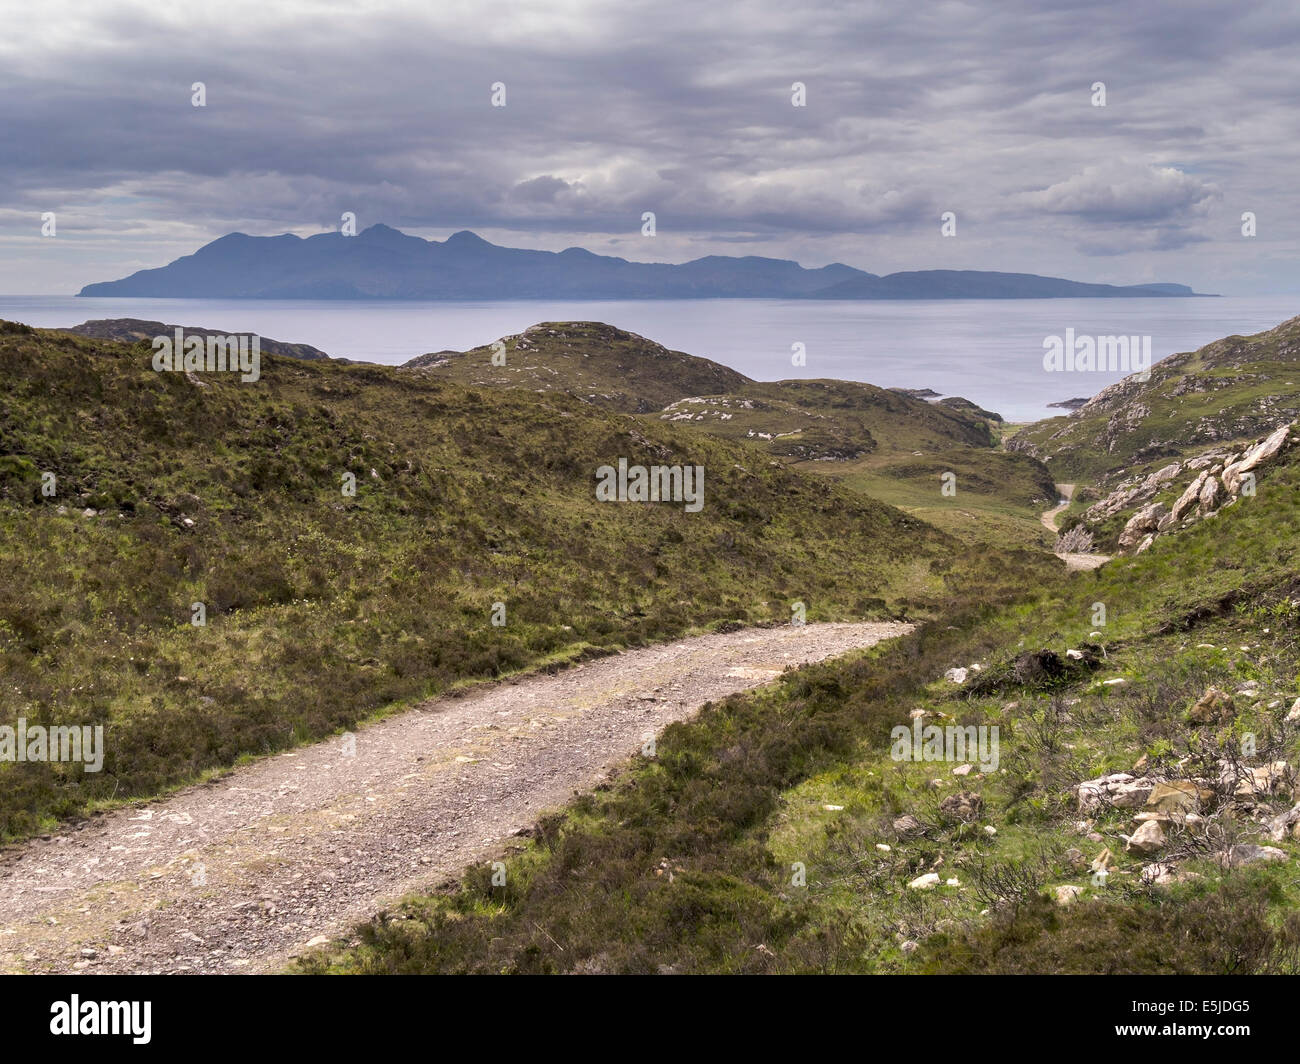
(382, 263)
(603, 365)
(130, 330)
(828, 418)
(1229, 390)
(322, 608)
(1138, 813)
(885, 443)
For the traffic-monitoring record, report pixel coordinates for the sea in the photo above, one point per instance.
(989, 351)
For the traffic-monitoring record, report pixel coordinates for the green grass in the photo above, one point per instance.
(323, 609)
(1233, 389)
(688, 863)
(607, 367)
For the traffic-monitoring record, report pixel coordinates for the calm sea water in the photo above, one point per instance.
(990, 351)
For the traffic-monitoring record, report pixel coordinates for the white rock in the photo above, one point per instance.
(956, 675)
(1149, 838)
(926, 882)
(1067, 894)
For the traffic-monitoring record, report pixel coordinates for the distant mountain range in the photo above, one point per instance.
(383, 263)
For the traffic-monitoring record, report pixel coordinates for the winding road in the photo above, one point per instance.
(1072, 560)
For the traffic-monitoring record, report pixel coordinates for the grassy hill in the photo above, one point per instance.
(829, 419)
(889, 446)
(323, 608)
(881, 442)
(608, 367)
(1232, 389)
(800, 855)
(130, 330)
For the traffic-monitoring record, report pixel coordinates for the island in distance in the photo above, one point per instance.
(384, 263)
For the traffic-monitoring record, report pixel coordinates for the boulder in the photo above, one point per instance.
(1293, 714)
(1245, 853)
(1189, 498)
(1147, 519)
(1148, 839)
(1160, 873)
(1118, 789)
(926, 882)
(1175, 797)
(965, 805)
(1264, 780)
(1284, 823)
(957, 675)
(1214, 707)
(1067, 894)
(1254, 456)
(1209, 495)
(907, 824)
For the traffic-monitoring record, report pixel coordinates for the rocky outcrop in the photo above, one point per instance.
(1145, 520)
(1220, 478)
(1254, 456)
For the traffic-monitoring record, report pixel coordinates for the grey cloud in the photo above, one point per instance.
(673, 107)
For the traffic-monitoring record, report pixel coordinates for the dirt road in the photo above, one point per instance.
(1072, 560)
(240, 874)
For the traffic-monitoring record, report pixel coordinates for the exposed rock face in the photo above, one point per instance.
(1148, 839)
(1190, 497)
(1145, 520)
(1253, 457)
(1124, 497)
(1214, 707)
(1219, 480)
(1132, 416)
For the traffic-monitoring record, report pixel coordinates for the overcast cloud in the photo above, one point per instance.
(680, 107)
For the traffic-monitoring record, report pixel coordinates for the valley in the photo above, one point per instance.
(1135, 652)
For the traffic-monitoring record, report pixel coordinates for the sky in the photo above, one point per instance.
(681, 108)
